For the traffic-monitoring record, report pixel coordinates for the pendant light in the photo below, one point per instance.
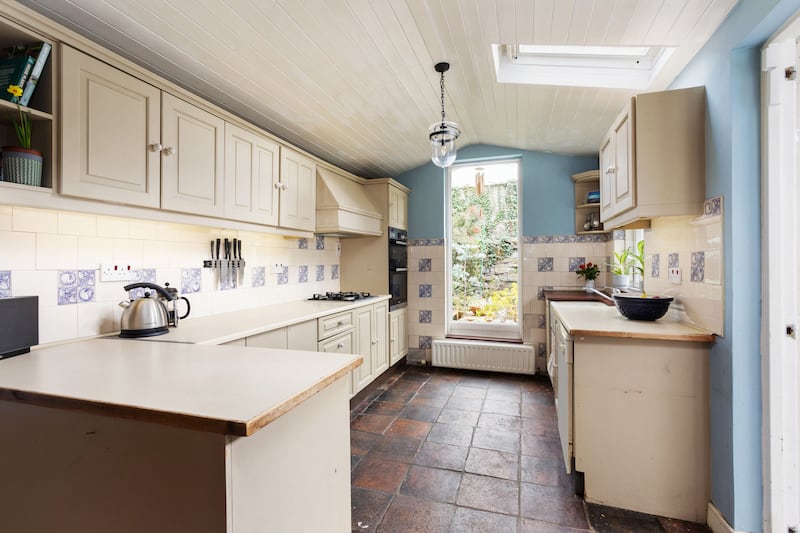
(443, 134)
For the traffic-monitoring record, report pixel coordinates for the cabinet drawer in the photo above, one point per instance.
(342, 343)
(333, 324)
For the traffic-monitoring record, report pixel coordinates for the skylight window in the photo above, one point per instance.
(625, 67)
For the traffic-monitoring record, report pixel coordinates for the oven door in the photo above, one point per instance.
(398, 287)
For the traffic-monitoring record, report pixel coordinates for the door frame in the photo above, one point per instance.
(781, 472)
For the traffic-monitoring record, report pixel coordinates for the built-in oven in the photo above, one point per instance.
(398, 268)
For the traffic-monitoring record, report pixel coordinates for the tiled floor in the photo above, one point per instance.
(437, 450)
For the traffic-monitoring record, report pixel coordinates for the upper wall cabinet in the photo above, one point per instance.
(652, 160)
(192, 158)
(398, 207)
(298, 191)
(251, 177)
(110, 133)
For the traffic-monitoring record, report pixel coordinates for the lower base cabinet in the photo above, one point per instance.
(371, 335)
(398, 335)
(302, 336)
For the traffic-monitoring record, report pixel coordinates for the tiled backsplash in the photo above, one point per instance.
(57, 256)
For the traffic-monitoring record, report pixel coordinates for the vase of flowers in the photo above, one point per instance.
(589, 271)
(20, 163)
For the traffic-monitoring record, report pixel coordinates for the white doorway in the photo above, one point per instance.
(781, 255)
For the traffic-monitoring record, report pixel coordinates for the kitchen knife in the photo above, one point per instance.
(226, 273)
(212, 259)
(217, 266)
(234, 266)
(241, 260)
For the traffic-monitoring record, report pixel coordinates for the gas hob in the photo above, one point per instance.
(341, 296)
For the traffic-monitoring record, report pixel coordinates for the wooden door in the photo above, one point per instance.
(298, 191)
(110, 134)
(192, 158)
(251, 177)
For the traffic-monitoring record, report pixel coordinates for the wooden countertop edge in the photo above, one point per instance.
(182, 420)
(688, 337)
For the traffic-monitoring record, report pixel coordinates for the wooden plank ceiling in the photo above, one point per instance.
(352, 81)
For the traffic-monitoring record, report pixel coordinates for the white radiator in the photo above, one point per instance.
(482, 355)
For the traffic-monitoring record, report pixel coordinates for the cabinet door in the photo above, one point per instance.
(398, 335)
(251, 177)
(607, 154)
(298, 193)
(109, 120)
(302, 336)
(192, 164)
(363, 347)
(269, 339)
(342, 343)
(624, 184)
(398, 208)
(380, 337)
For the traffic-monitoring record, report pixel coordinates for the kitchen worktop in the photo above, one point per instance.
(225, 327)
(575, 295)
(599, 320)
(221, 389)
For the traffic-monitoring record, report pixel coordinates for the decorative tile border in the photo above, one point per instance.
(426, 242)
(540, 239)
(76, 286)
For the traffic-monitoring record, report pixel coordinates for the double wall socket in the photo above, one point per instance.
(675, 275)
(113, 272)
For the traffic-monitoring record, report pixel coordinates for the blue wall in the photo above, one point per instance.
(547, 191)
(729, 67)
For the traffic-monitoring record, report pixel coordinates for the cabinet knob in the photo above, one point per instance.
(340, 323)
(611, 170)
(340, 346)
(284, 186)
(169, 150)
(277, 185)
(155, 147)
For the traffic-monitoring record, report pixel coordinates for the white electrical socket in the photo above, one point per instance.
(277, 268)
(675, 275)
(113, 272)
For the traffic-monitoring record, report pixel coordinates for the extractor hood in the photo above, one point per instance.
(343, 207)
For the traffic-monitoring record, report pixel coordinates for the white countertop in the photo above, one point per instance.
(599, 320)
(224, 389)
(226, 327)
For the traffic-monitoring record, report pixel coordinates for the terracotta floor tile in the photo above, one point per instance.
(672, 525)
(458, 417)
(501, 407)
(372, 423)
(552, 504)
(476, 379)
(429, 400)
(497, 439)
(462, 391)
(397, 396)
(493, 463)
(506, 395)
(539, 446)
(435, 388)
(413, 515)
(540, 427)
(368, 507)
(537, 398)
(424, 413)
(489, 494)
(362, 442)
(442, 456)
(395, 448)
(536, 526)
(605, 519)
(450, 434)
(465, 404)
(545, 471)
(384, 408)
(539, 411)
(409, 428)
(431, 483)
(474, 521)
(376, 474)
(498, 421)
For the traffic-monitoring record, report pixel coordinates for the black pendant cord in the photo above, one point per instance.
(441, 85)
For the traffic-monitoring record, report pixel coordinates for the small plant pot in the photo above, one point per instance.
(23, 166)
(621, 280)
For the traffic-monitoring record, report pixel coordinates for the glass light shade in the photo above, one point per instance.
(443, 143)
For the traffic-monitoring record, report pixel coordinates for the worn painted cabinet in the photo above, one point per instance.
(398, 207)
(618, 188)
(398, 335)
(110, 133)
(298, 191)
(252, 165)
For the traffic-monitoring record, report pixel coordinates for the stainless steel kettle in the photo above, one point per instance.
(145, 317)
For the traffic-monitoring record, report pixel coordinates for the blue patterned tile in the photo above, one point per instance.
(67, 295)
(67, 278)
(674, 261)
(713, 206)
(425, 290)
(302, 244)
(426, 242)
(655, 267)
(320, 242)
(5, 280)
(540, 322)
(698, 266)
(259, 276)
(190, 280)
(334, 271)
(283, 277)
(320, 272)
(425, 341)
(575, 263)
(544, 264)
(85, 294)
(149, 275)
(302, 273)
(540, 291)
(619, 235)
(425, 317)
(4, 293)
(425, 265)
(541, 350)
(86, 278)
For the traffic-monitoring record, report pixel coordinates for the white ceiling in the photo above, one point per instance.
(352, 81)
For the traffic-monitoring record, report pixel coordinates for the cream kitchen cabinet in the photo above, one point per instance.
(301, 336)
(652, 160)
(398, 335)
(110, 133)
(371, 335)
(398, 207)
(297, 191)
(252, 164)
(192, 158)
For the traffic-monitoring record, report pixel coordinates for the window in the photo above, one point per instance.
(483, 250)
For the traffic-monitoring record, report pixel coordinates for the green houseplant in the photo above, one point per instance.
(21, 164)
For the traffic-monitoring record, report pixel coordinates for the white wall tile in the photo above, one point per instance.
(56, 252)
(77, 224)
(34, 220)
(6, 218)
(41, 283)
(95, 318)
(17, 250)
(113, 227)
(58, 323)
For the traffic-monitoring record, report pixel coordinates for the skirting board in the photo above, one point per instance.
(717, 522)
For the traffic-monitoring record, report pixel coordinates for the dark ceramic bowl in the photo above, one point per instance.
(637, 308)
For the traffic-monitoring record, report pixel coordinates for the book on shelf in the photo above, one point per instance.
(41, 58)
(14, 71)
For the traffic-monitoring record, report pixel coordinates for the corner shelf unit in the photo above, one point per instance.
(584, 211)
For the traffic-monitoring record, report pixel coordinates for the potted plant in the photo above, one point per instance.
(21, 164)
(637, 260)
(589, 271)
(621, 268)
